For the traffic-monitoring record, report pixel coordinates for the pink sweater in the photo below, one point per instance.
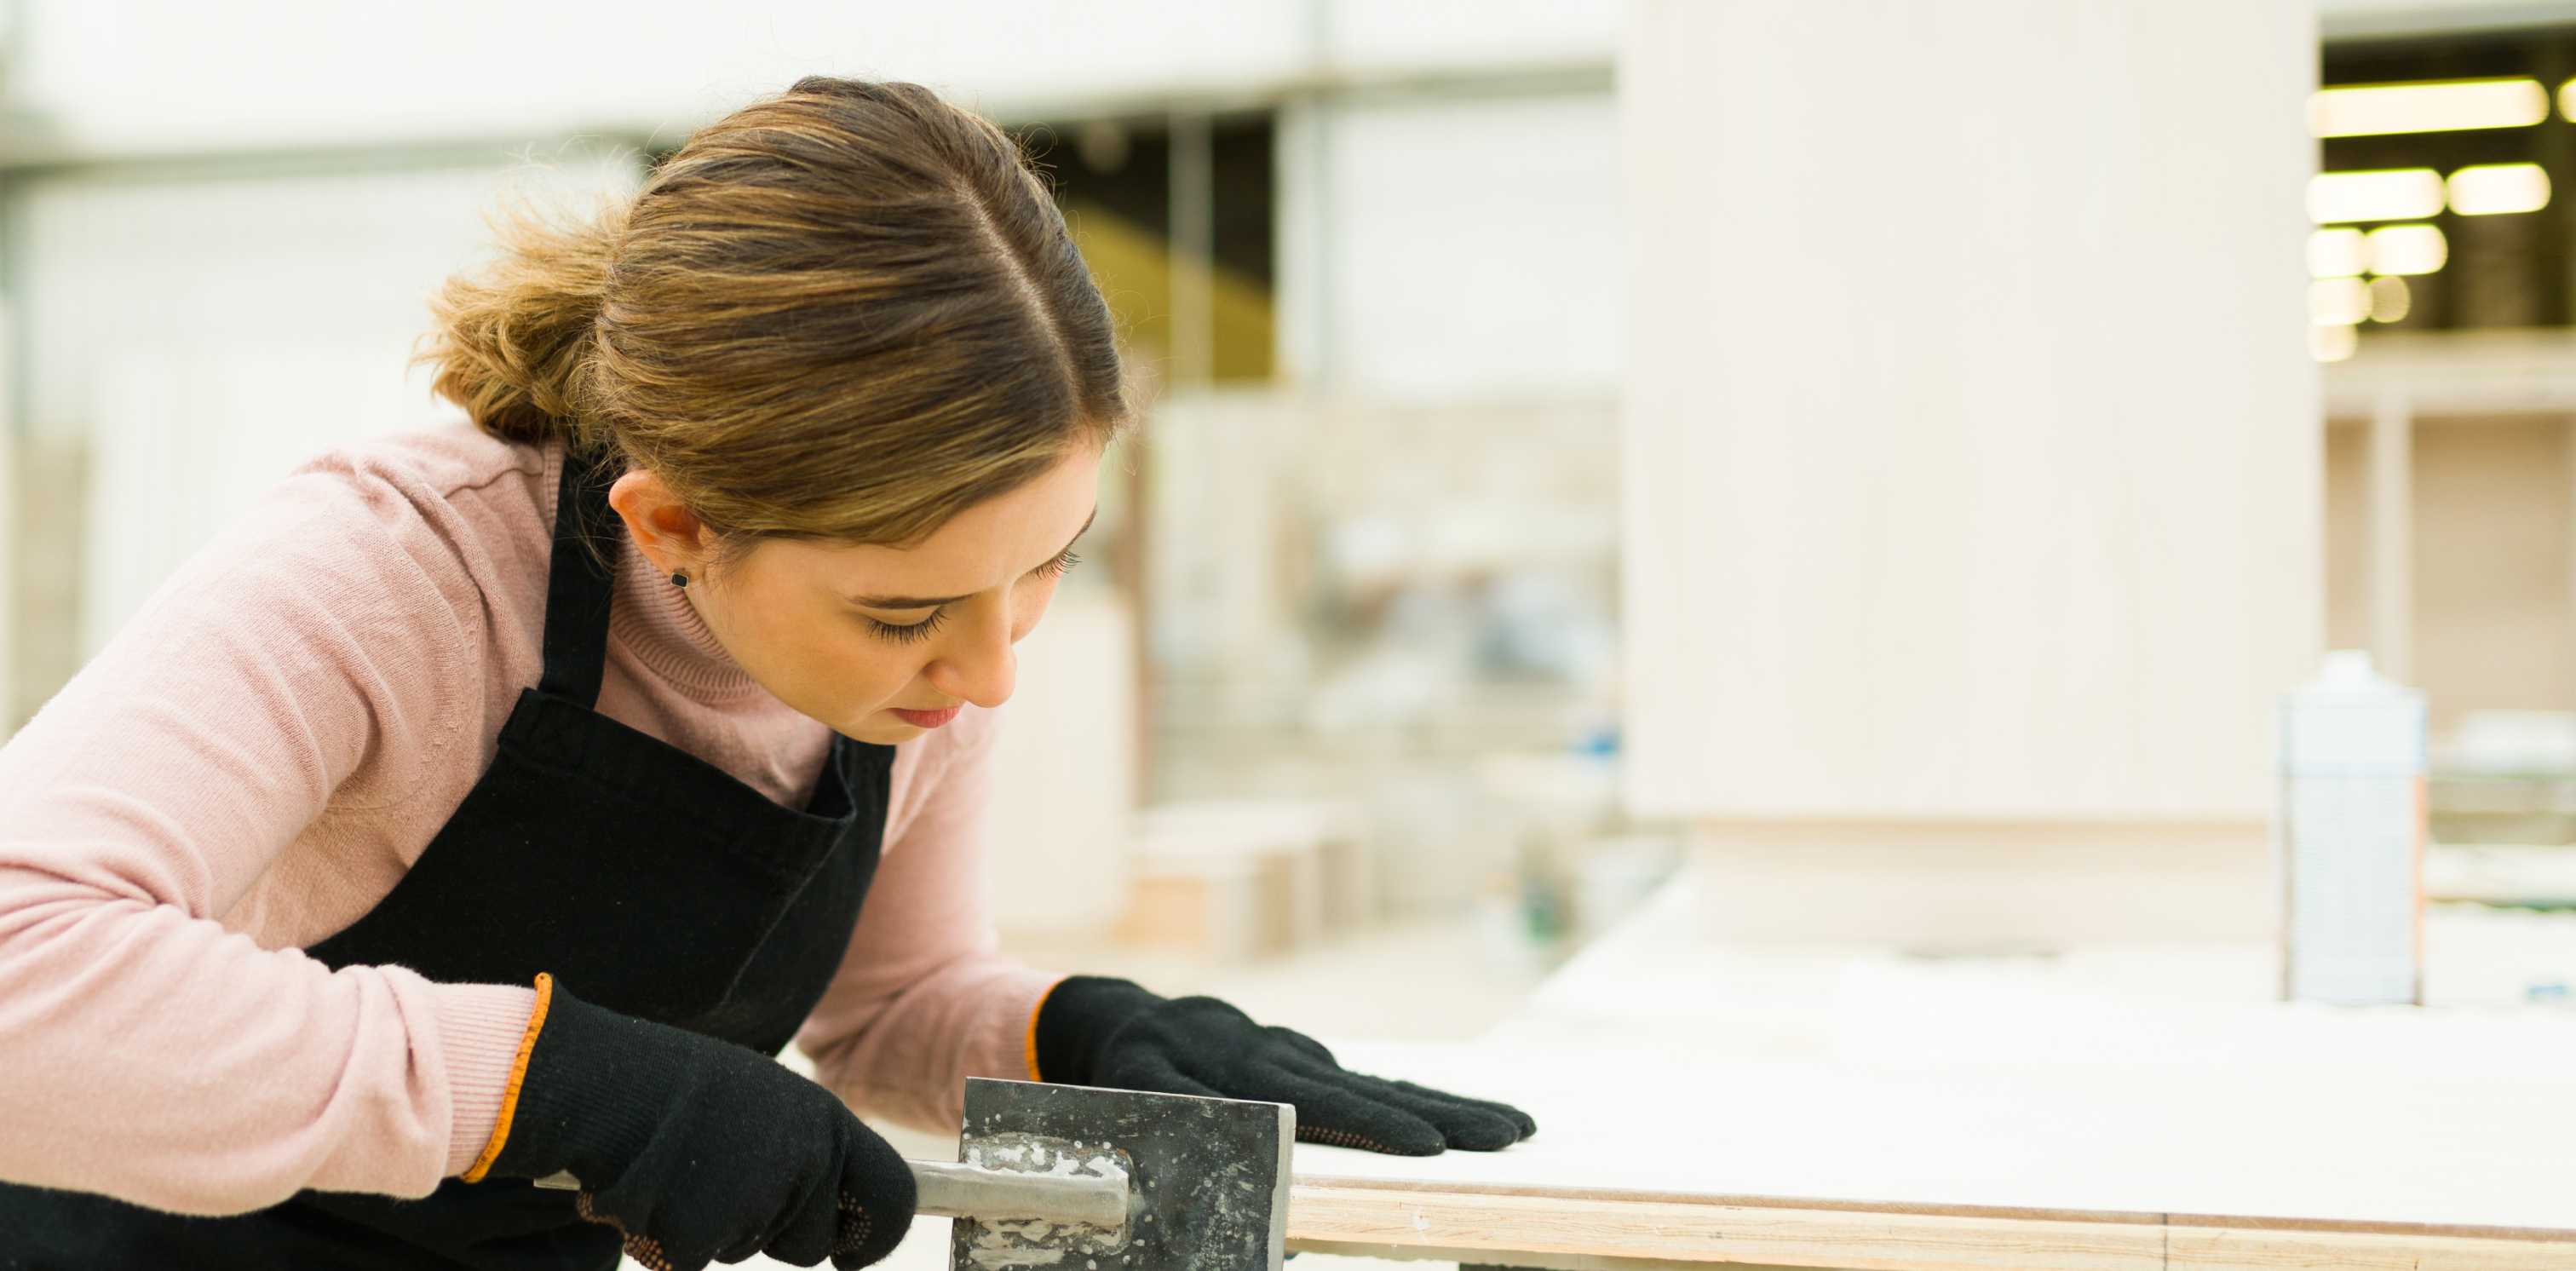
(260, 754)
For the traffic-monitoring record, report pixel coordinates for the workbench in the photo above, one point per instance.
(2097, 1109)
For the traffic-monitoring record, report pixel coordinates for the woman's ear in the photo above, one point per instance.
(664, 529)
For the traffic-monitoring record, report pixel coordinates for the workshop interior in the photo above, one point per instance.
(1657, 536)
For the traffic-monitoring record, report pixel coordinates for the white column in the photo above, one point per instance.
(2392, 537)
(1057, 837)
(8, 503)
(1303, 297)
(1193, 217)
(1973, 459)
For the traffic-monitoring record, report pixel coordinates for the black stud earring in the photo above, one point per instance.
(680, 578)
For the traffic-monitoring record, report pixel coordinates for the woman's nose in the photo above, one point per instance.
(979, 665)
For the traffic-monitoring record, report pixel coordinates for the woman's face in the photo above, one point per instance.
(881, 643)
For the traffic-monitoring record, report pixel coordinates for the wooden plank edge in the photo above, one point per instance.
(2198, 1248)
(2544, 1235)
(1745, 1200)
(1565, 1233)
(1547, 1231)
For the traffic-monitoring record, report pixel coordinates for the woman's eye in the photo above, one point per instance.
(908, 633)
(913, 632)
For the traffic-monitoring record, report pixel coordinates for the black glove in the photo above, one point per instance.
(1102, 1032)
(698, 1149)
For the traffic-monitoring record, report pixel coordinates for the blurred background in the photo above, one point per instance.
(1350, 620)
(1890, 459)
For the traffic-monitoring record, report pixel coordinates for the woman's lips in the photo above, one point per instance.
(925, 719)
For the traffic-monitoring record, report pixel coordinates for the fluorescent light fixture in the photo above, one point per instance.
(2430, 106)
(2408, 249)
(2337, 253)
(2389, 299)
(2338, 301)
(2490, 189)
(2332, 343)
(2377, 194)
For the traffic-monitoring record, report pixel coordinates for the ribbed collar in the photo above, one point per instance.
(656, 622)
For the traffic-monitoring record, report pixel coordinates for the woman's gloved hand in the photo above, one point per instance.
(697, 1149)
(1094, 1031)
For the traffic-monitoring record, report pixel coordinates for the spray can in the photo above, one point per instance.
(2352, 837)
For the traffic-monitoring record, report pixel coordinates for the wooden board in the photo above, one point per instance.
(1816, 1148)
(1844, 1108)
(1569, 1233)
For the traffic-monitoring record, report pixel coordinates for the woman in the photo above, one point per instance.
(494, 802)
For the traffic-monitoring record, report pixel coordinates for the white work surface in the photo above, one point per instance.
(2107, 1108)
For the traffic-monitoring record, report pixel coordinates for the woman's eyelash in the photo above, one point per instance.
(922, 630)
(908, 633)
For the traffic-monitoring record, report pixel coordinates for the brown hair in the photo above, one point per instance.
(850, 312)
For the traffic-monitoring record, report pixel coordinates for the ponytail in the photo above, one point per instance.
(514, 345)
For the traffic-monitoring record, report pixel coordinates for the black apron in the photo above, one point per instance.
(642, 877)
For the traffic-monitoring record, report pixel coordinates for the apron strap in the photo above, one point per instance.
(578, 586)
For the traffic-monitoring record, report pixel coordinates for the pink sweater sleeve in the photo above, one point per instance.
(923, 999)
(146, 1051)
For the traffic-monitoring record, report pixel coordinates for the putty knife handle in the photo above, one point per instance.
(963, 1191)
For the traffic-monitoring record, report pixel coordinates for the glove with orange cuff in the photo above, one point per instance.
(696, 1149)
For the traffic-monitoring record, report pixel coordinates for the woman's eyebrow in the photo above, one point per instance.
(933, 602)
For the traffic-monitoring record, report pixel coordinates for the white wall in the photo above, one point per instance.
(203, 337)
(2373, 19)
(1974, 455)
(304, 71)
(1064, 775)
(1433, 242)
(1433, 33)
(1446, 247)
(9, 511)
